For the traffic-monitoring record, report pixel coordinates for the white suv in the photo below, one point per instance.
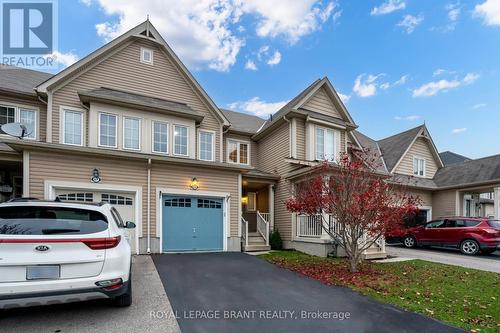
(53, 252)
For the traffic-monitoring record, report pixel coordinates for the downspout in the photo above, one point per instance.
(148, 250)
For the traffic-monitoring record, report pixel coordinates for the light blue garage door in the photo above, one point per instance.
(192, 224)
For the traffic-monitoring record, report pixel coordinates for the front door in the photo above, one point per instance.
(192, 224)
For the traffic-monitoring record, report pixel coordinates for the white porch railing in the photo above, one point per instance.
(309, 226)
(263, 226)
(244, 231)
(265, 216)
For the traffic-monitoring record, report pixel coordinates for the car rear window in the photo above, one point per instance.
(494, 224)
(44, 220)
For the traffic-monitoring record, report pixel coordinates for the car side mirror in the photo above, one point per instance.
(129, 225)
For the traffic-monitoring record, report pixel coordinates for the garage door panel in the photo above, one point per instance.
(192, 224)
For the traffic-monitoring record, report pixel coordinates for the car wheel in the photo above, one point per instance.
(409, 241)
(125, 299)
(469, 247)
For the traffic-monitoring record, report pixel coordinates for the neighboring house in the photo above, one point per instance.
(129, 125)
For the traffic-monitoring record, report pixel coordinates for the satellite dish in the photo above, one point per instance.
(17, 130)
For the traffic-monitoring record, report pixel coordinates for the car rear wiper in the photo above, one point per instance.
(58, 231)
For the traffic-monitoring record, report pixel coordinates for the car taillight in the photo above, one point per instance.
(102, 243)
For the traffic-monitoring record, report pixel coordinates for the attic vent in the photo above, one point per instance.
(150, 35)
(146, 56)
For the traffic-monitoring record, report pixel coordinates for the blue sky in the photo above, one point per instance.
(397, 63)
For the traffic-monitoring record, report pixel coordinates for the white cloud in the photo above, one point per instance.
(257, 106)
(402, 80)
(489, 11)
(441, 71)
(458, 130)
(409, 118)
(385, 86)
(290, 19)
(366, 85)
(250, 64)
(410, 22)
(345, 98)
(63, 59)
(388, 7)
(479, 106)
(86, 2)
(454, 11)
(275, 59)
(432, 88)
(208, 33)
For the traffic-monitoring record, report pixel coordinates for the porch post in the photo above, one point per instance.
(271, 207)
(496, 203)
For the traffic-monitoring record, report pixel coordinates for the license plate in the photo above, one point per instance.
(43, 272)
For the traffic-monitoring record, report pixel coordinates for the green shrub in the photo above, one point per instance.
(275, 240)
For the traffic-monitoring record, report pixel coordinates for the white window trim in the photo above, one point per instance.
(213, 145)
(173, 140)
(153, 122)
(17, 116)
(424, 166)
(123, 133)
(238, 142)
(143, 50)
(63, 129)
(335, 143)
(99, 129)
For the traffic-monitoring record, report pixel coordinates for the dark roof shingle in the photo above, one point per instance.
(242, 122)
(21, 80)
(449, 157)
(395, 146)
(469, 172)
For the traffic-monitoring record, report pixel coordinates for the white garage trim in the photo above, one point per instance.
(168, 191)
(50, 187)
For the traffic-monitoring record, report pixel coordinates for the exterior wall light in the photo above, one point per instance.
(244, 200)
(194, 184)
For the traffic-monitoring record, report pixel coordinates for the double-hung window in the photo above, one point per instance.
(181, 138)
(73, 127)
(418, 167)
(160, 137)
(107, 130)
(325, 144)
(206, 145)
(131, 133)
(27, 117)
(238, 152)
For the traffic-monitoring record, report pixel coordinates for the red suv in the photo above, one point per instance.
(470, 235)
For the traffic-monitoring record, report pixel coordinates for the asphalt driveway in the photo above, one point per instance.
(235, 292)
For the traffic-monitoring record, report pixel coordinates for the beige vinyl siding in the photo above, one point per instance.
(29, 103)
(342, 141)
(124, 71)
(443, 203)
(54, 166)
(272, 159)
(320, 102)
(420, 148)
(300, 140)
(254, 147)
(425, 197)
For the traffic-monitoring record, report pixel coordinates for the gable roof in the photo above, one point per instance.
(147, 31)
(449, 157)
(242, 122)
(21, 80)
(373, 148)
(482, 170)
(295, 103)
(394, 147)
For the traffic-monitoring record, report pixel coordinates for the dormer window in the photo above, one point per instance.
(146, 56)
(418, 167)
(325, 144)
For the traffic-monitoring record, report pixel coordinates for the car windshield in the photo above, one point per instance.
(44, 220)
(494, 224)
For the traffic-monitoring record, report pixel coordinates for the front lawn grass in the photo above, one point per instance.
(466, 298)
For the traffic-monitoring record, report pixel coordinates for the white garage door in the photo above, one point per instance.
(123, 202)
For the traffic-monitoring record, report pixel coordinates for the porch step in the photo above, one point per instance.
(375, 255)
(256, 247)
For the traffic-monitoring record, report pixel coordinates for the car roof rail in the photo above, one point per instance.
(24, 199)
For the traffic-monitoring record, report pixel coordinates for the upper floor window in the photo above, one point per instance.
(238, 152)
(325, 144)
(131, 133)
(146, 55)
(73, 127)
(419, 167)
(11, 114)
(181, 140)
(160, 137)
(107, 130)
(206, 146)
